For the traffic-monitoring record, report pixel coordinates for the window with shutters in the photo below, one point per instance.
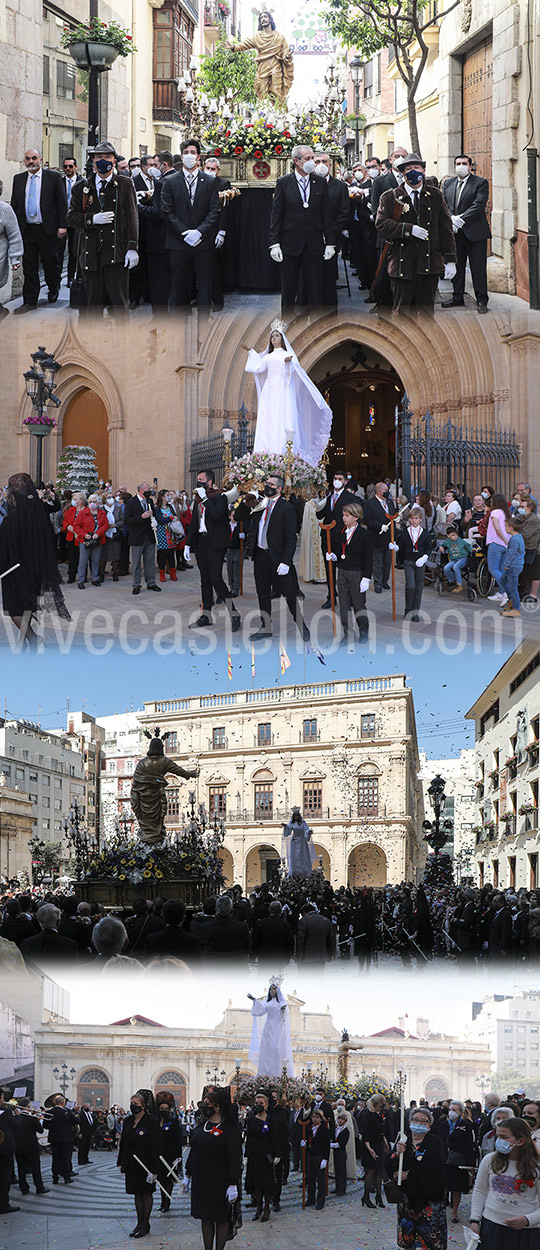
(312, 800)
(264, 801)
(368, 796)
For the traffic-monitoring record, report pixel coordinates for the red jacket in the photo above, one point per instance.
(69, 519)
(84, 524)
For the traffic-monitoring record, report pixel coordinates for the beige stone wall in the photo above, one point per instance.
(16, 817)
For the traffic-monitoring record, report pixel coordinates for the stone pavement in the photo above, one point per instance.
(110, 615)
(95, 1214)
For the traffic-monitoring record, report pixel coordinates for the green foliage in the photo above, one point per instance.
(99, 32)
(374, 24)
(50, 857)
(226, 69)
(507, 1079)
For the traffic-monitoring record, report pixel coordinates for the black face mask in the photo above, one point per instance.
(207, 1110)
(270, 491)
(134, 1108)
(259, 1106)
(202, 484)
(164, 1112)
(104, 167)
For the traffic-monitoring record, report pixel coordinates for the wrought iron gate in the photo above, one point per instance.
(431, 454)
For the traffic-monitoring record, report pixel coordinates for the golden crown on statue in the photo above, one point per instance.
(278, 324)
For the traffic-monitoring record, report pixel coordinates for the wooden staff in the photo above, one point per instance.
(393, 570)
(303, 1176)
(241, 565)
(401, 1122)
(327, 528)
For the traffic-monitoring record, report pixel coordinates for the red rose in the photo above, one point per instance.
(238, 150)
(258, 154)
(227, 134)
(217, 151)
(278, 148)
(286, 134)
(269, 126)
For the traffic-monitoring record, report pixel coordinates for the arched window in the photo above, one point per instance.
(94, 1088)
(173, 1083)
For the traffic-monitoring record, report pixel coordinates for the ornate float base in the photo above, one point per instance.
(111, 892)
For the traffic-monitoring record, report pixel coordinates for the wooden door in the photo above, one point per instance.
(85, 422)
(477, 85)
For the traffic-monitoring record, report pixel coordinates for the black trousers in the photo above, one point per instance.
(316, 1180)
(330, 277)
(381, 565)
(61, 1159)
(350, 596)
(340, 1170)
(266, 578)
(84, 1148)
(217, 275)
(419, 291)
(107, 285)
(29, 1164)
(476, 255)
(363, 254)
(71, 240)
(190, 266)
(159, 279)
(72, 560)
(210, 564)
(414, 585)
(138, 278)
(39, 246)
(6, 1173)
(329, 565)
(310, 269)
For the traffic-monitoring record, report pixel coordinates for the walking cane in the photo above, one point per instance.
(11, 570)
(393, 570)
(303, 1176)
(169, 1169)
(330, 573)
(145, 1169)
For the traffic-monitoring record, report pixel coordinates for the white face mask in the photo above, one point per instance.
(373, 172)
(337, 484)
(110, 501)
(485, 494)
(359, 177)
(189, 160)
(210, 173)
(309, 167)
(321, 170)
(453, 1115)
(118, 499)
(462, 171)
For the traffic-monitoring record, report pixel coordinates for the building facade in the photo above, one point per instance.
(47, 770)
(510, 1026)
(16, 828)
(123, 745)
(112, 1061)
(344, 752)
(507, 724)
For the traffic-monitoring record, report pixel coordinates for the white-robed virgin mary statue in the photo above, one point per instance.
(287, 400)
(270, 1046)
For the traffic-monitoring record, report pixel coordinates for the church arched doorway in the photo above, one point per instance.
(365, 393)
(262, 864)
(85, 421)
(367, 866)
(93, 1088)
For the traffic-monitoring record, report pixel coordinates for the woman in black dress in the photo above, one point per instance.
(171, 1146)
(27, 540)
(374, 1147)
(421, 1208)
(214, 1166)
(461, 1155)
(140, 1140)
(262, 1150)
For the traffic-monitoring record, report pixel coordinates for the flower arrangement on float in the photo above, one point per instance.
(131, 860)
(252, 469)
(262, 136)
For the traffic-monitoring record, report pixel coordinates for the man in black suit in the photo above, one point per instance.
(377, 513)
(61, 1124)
(340, 207)
(225, 938)
(500, 929)
(7, 1151)
(272, 544)
(315, 938)
(362, 232)
(190, 207)
(212, 167)
(466, 197)
(86, 1133)
(208, 536)
(16, 927)
(70, 176)
(273, 937)
(39, 201)
(301, 231)
(158, 272)
(173, 939)
(48, 947)
(332, 510)
(26, 1128)
(145, 185)
(385, 182)
(138, 516)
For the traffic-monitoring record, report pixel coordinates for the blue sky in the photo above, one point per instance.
(37, 687)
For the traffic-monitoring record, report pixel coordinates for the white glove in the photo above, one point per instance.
(187, 554)
(150, 1178)
(450, 270)
(132, 259)
(232, 1193)
(303, 1143)
(331, 555)
(103, 219)
(276, 253)
(276, 1160)
(282, 569)
(192, 237)
(345, 234)
(220, 238)
(328, 252)
(364, 585)
(201, 492)
(393, 547)
(333, 1145)
(324, 1164)
(457, 222)
(420, 232)
(420, 563)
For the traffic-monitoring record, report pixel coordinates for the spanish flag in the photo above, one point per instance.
(229, 666)
(284, 659)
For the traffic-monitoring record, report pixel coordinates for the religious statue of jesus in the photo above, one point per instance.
(275, 70)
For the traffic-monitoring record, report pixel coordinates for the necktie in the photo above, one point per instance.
(304, 183)
(101, 193)
(68, 190)
(460, 186)
(263, 541)
(334, 497)
(415, 202)
(32, 198)
(192, 180)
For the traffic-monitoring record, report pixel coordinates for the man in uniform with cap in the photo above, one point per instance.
(104, 209)
(415, 221)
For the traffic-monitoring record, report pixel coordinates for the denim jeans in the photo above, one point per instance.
(452, 570)
(495, 557)
(509, 583)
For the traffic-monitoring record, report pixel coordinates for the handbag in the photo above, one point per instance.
(176, 528)
(393, 1191)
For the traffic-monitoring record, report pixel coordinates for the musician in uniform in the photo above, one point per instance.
(415, 221)
(104, 209)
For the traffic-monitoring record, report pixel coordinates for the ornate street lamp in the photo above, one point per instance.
(40, 382)
(437, 831)
(227, 433)
(356, 66)
(63, 1078)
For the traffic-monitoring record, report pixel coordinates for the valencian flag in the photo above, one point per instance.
(285, 662)
(229, 666)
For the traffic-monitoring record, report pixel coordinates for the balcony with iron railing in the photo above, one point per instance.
(221, 745)
(529, 821)
(216, 13)
(282, 815)
(166, 101)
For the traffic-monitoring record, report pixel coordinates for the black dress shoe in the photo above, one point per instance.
(24, 1191)
(218, 601)
(385, 586)
(378, 590)
(142, 1232)
(55, 1180)
(68, 1180)
(200, 622)
(261, 633)
(52, 297)
(24, 308)
(236, 622)
(9, 1210)
(136, 590)
(98, 583)
(327, 604)
(482, 308)
(415, 617)
(154, 587)
(43, 1191)
(134, 1231)
(453, 303)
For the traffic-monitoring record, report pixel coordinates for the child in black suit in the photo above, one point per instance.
(339, 1147)
(354, 565)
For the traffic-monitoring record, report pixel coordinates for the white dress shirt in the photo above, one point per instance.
(305, 191)
(38, 219)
